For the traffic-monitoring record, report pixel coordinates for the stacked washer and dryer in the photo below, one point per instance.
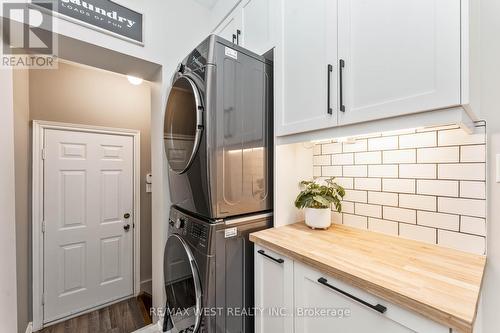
(218, 136)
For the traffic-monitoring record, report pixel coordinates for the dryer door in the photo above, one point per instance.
(183, 124)
(182, 286)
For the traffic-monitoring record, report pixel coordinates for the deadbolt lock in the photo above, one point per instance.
(127, 215)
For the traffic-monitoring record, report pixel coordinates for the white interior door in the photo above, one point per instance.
(88, 250)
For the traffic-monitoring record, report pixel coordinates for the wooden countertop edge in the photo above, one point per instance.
(440, 316)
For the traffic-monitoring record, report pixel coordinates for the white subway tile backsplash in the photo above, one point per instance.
(426, 184)
(355, 221)
(331, 171)
(331, 148)
(336, 217)
(322, 160)
(348, 207)
(458, 137)
(383, 198)
(473, 225)
(400, 214)
(342, 159)
(355, 171)
(317, 171)
(356, 196)
(418, 233)
(462, 242)
(400, 156)
(383, 143)
(463, 171)
(371, 184)
(368, 210)
(398, 185)
(383, 226)
(347, 183)
(423, 202)
(385, 171)
(374, 157)
(418, 140)
(317, 150)
(447, 188)
(469, 207)
(438, 155)
(438, 220)
(358, 145)
(474, 190)
(427, 171)
(473, 153)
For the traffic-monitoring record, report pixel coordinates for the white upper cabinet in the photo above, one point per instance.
(400, 57)
(250, 25)
(306, 66)
(230, 28)
(257, 28)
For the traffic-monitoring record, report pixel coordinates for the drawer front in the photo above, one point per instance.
(355, 309)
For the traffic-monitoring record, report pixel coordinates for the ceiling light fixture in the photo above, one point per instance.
(134, 80)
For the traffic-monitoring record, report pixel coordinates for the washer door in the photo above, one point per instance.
(183, 124)
(182, 285)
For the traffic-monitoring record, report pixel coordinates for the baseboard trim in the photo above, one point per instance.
(146, 286)
(29, 328)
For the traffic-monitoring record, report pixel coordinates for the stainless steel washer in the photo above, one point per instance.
(209, 275)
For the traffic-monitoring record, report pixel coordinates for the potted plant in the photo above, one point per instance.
(317, 200)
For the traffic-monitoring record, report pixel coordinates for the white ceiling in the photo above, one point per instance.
(207, 3)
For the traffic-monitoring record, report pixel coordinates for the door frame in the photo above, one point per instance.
(38, 143)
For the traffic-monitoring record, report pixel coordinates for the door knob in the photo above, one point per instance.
(126, 227)
(127, 215)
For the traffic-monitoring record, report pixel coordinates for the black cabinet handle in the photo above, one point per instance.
(238, 33)
(341, 81)
(328, 104)
(234, 39)
(379, 308)
(279, 261)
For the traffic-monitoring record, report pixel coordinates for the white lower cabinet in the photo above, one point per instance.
(316, 302)
(273, 292)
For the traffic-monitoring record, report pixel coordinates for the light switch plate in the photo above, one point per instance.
(498, 168)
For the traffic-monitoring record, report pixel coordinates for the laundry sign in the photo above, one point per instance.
(103, 15)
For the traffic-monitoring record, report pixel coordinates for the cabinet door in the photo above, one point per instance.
(273, 292)
(230, 26)
(350, 316)
(400, 57)
(257, 33)
(308, 46)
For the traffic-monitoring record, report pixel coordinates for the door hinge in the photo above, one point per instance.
(43, 227)
(43, 299)
(44, 153)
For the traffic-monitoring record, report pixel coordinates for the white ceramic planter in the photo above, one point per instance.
(318, 218)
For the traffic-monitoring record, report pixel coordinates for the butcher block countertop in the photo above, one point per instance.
(439, 283)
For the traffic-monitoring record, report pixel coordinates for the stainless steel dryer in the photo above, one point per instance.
(209, 275)
(218, 131)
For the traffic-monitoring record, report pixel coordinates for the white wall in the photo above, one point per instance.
(8, 290)
(172, 29)
(490, 107)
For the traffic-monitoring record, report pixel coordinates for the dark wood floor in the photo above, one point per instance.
(124, 317)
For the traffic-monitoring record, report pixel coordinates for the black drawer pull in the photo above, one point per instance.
(379, 307)
(279, 261)
(329, 73)
(234, 39)
(341, 84)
